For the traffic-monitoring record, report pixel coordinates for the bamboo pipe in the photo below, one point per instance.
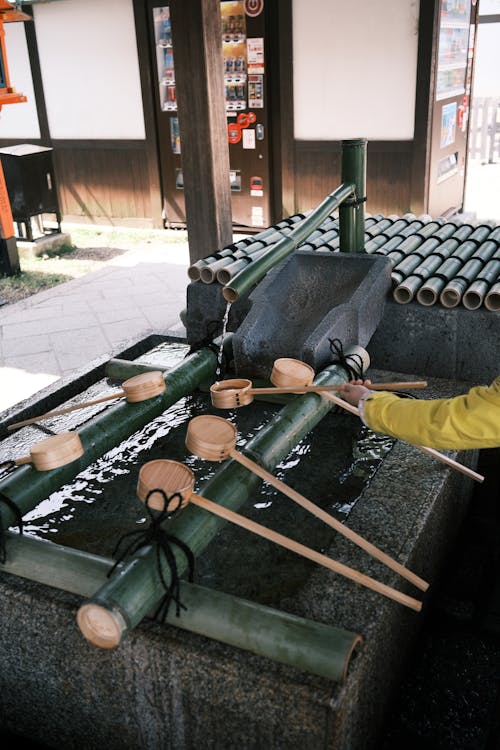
(246, 279)
(139, 388)
(315, 647)
(492, 300)
(173, 477)
(237, 392)
(430, 451)
(214, 438)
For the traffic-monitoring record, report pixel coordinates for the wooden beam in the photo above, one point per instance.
(199, 74)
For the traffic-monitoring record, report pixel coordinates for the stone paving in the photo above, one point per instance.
(61, 330)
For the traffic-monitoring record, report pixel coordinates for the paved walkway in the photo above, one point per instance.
(61, 330)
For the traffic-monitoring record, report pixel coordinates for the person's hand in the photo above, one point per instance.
(353, 391)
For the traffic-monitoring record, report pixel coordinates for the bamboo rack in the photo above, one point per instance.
(314, 647)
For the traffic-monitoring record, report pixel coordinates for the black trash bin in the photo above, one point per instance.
(31, 185)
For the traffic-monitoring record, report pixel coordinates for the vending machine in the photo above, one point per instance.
(242, 31)
(451, 105)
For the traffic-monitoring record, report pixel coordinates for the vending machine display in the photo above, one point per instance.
(242, 39)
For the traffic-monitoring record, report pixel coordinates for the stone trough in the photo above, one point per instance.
(166, 685)
(231, 669)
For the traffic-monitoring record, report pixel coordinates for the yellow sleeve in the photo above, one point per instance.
(469, 421)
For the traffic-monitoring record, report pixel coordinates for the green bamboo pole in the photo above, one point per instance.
(128, 596)
(246, 279)
(122, 369)
(26, 487)
(352, 211)
(314, 647)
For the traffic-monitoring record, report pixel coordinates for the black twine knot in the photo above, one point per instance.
(162, 542)
(19, 522)
(352, 363)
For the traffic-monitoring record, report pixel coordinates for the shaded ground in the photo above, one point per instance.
(450, 699)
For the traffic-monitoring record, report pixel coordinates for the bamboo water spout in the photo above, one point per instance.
(214, 439)
(242, 283)
(173, 478)
(136, 389)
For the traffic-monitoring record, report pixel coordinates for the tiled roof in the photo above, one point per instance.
(435, 261)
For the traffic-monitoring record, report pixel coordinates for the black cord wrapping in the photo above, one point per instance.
(161, 540)
(19, 521)
(352, 363)
(214, 329)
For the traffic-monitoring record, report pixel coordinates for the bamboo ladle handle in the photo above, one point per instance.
(65, 410)
(307, 552)
(430, 451)
(360, 541)
(138, 388)
(396, 386)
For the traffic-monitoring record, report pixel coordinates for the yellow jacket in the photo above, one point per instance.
(469, 421)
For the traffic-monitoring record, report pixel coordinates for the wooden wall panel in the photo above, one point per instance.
(388, 174)
(104, 182)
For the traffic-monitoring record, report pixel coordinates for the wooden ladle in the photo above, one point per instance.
(57, 450)
(292, 366)
(139, 388)
(236, 392)
(172, 477)
(214, 439)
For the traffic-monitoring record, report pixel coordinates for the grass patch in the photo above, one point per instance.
(26, 283)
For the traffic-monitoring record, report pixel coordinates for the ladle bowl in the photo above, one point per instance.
(170, 477)
(144, 386)
(210, 437)
(57, 450)
(291, 372)
(231, 394)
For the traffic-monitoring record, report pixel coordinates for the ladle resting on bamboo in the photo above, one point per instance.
(136, 389)
(214, 439)
(55, 451)
(175, 479)
(288, 371)
(227, 394)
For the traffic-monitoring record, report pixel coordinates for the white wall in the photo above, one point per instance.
(90, 70)
(354, 69)
(487, 60)
(19, 120)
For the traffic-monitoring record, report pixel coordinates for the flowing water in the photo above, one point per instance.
(220, 354)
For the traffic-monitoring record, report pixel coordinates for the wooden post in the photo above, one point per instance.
(199, 73)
